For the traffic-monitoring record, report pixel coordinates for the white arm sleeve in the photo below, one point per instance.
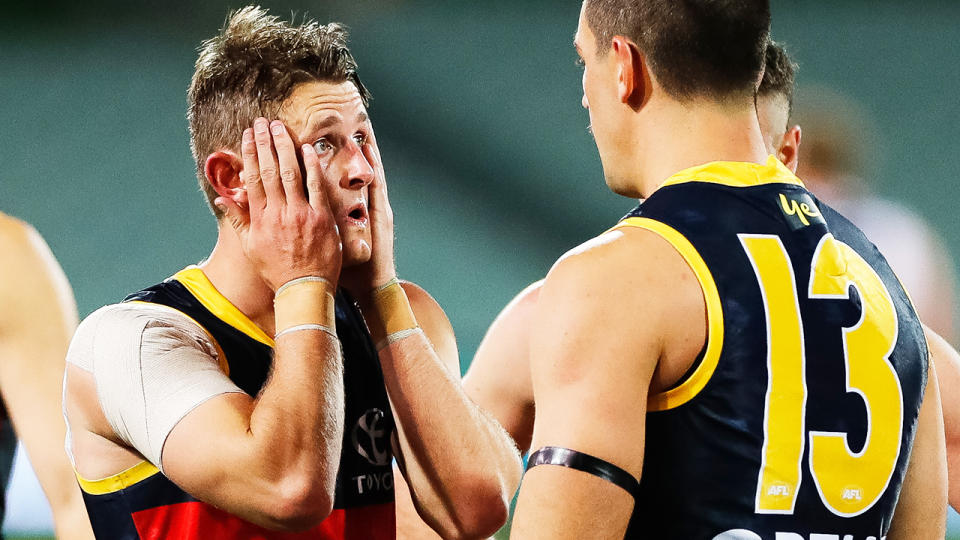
(152, 365)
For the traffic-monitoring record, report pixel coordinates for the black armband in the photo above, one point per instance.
(565, 457)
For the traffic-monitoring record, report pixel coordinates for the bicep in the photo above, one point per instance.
(591, 365)
(498, 380)
(152, 368)
(180, 411)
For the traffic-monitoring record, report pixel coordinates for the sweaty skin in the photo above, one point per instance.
(37, 318)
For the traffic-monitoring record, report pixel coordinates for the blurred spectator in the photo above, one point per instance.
(836, 164)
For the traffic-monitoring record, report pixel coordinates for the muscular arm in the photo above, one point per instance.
(37, 317)
(461, 467)
(272, 459)
(599, 334)
(922, 509)
(946, 361)
(499, 376)
(498, 381)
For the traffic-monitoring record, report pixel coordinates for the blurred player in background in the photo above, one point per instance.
(727, 272)
(837, 149)
(270, 387)
(37, 317)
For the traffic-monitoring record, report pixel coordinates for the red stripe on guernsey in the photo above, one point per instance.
(200, 521)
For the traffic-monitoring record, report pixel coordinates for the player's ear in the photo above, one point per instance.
(631, 76)
(222, 170)
(789, 151)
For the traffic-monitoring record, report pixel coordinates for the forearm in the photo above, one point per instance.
(70, 519)
(296, 424)
(462, 467)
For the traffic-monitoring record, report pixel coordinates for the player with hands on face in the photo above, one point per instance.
(267, 388)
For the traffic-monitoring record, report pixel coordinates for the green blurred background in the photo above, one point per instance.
(476, 105)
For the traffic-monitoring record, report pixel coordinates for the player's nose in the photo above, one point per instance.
(357, 171)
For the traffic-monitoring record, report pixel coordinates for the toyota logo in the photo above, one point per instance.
(370, 438)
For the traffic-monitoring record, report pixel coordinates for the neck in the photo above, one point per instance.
(230, 271)
(672, 136)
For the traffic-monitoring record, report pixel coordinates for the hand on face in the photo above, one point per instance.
(361, 279)
(285, 233)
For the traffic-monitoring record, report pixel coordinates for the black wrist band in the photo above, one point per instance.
(565, 457)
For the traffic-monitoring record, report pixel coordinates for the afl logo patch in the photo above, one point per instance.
(370, 439)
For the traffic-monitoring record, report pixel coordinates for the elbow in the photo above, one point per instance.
(300, 504)
(479, 511)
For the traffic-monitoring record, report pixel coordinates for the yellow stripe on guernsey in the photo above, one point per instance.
(727, 173)
(193, 278)
(138, 473)
(736, 174)
(689, 388)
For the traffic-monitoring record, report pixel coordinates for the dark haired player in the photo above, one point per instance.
(264, 392)
(743, 347)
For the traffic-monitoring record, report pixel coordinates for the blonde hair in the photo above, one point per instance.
(249, 69)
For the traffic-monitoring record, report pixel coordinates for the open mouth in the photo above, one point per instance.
(358, 214)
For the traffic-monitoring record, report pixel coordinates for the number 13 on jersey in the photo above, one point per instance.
(849, 483)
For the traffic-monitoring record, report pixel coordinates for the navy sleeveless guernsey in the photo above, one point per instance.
(141, 503)
(799, 417)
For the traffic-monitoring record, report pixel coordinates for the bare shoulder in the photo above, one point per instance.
(522, 306)
(30, 277)
(504, 351)
(624, 292)
(24, 252)
(435, 324)
(627, 263)
(17, 237)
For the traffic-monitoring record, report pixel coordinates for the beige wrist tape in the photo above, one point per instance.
(391, 312)
(305, 303)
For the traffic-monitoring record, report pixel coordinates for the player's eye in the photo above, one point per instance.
(360, 139)
(322, 145)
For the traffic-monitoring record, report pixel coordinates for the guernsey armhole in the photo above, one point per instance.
(122, 480)
(694, 381)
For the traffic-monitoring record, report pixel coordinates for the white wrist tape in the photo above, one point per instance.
(397, 336)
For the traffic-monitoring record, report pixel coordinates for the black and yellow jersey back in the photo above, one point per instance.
(142, 503)
(799, 417)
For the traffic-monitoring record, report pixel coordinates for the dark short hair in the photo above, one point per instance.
(250, 68)
(695, 48)
(779, 74)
